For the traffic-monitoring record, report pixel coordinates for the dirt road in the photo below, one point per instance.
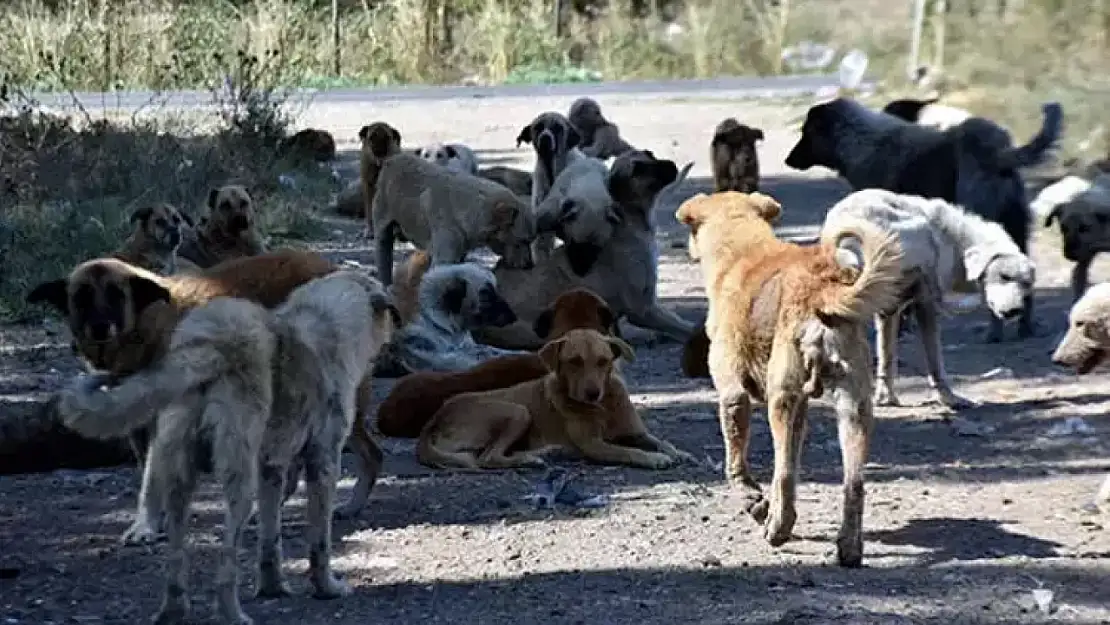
(962, 521)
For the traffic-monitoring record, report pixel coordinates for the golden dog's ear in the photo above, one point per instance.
(55, 293)
(692, 211)
(621, 349)
(145, 292)
(549, 354)
(766, 206)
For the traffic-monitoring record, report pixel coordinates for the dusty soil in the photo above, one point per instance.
(962, 523)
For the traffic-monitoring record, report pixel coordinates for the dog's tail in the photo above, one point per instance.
(877, 286)
(193, 363)
(1040, 146)
(406, 284)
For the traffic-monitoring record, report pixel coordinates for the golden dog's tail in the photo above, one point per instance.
(406, 284)
(879, 283)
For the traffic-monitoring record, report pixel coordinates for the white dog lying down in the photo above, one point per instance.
(445, 304)
(944, 247)
(1087, 343)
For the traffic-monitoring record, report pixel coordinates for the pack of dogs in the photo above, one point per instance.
(216, 355)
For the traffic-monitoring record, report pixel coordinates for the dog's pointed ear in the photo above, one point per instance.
(55, 293)
(766, 206)
(525, 135)
(692, 211)
(141, 214)
(574, 137)
(213, 194)
(450, 151)
(145, 292)
(542, 325)
(549, 354)
(363, 132)
(621, 349)
(1053, 215)
(454, 296)
(976, 260)
(665, 171)
(755, 134)
(382, 303)
(396, 134)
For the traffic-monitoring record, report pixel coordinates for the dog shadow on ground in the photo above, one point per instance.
(949, 539)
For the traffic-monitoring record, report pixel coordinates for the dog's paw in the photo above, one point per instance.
(884, 396)
(849, 551)
(953, 401)
(141, 532)
(330, 587)
(778, 526)
(685, 457)
(89, 384)
(656, 460)
(758, 509)
(347, 511)
(273, 589)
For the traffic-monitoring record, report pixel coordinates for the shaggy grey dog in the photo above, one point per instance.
(261, 393)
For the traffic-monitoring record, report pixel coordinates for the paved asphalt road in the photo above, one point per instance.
(746, 86)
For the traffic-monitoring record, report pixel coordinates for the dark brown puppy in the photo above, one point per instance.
(228, 231)
(379, 142)
(517, 180)
(600, 137)
(418, 396)
(310, 144)
(733, 155)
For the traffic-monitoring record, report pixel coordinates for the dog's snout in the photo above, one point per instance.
(173, 235)
(592, 394)
(239, 223)
(100, 331)
(1011, 313)
(545, 143)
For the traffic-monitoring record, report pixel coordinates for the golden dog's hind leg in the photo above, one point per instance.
(173, 477)
(237, 462)
(511, 422)
(272, 483)
(786, 412)
(322, 471)
(855, 419)
(734, 412)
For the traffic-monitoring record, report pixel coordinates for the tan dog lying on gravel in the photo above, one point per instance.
(1087, 343)
(581, 405)
(785, 322)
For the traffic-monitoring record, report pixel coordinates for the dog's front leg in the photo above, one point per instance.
(1027, 326)
(322, 468)
(1079, 276)
(926, 315)
(384, 241)
(657, 318)
(886, 366)
(271, 580)
(592, 446)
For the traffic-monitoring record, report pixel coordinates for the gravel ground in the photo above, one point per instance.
(965, 517)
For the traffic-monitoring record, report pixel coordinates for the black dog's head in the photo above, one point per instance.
(1084, 228)
(636, 177)
(819, 143)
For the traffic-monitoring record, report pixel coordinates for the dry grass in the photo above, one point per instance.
(69, 185)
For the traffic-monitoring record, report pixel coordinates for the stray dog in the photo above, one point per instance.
(452, 300)
(927, 113)
(555, 141)
(228, 230)
(943, 246)
(379, 141)
(733, 155)
(154, 241)
(120, 324)
(415, 398)
(1084, 220)
(310, 144)
(257, 392)
(448, 214)
(972, 164)
(600, 137)
(1087, 343)
(578, 209)
(453, 156)
(786, 322)
(624, 272)
(581, 405)
(518, 181)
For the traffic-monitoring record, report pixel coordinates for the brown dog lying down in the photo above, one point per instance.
(416, 397)
(581, 406)
(1087, 343)
(785, 322)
